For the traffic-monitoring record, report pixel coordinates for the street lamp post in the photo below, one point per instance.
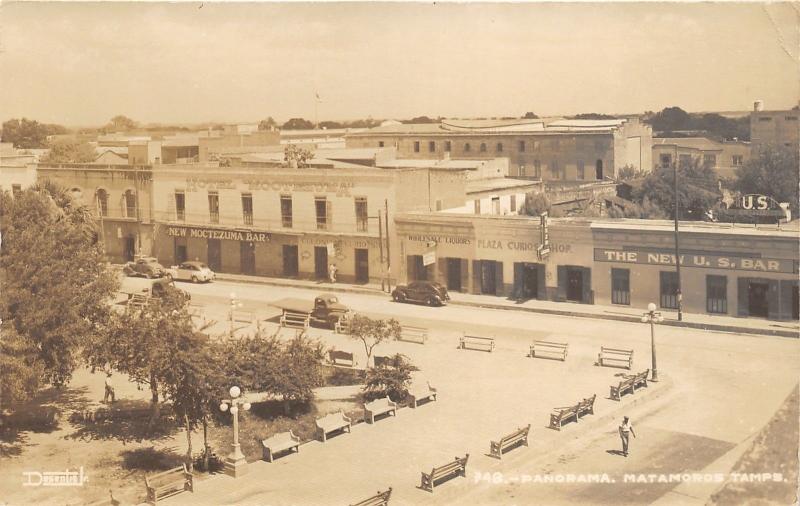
(235, 463)
(234, 304)
(652, 317)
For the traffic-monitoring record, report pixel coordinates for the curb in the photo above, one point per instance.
(556, 312)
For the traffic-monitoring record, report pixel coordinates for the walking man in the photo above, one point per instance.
(625, 430)
(332, 273)
(109, 389)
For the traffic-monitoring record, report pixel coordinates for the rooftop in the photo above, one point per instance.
(518, 125)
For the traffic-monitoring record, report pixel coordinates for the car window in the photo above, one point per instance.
(413, 286)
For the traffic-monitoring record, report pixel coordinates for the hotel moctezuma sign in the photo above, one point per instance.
(214, 233)
(339, 186)
(710, 261)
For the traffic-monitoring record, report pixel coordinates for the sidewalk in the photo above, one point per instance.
(690, 320)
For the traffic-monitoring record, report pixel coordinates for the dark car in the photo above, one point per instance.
(426, 292)
(147, 267)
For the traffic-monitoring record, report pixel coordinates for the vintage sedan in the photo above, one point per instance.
(147, 267)
(426, 292)
(195, 272)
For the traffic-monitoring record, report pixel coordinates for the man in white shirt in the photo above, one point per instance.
(625, 430)
(109, 389)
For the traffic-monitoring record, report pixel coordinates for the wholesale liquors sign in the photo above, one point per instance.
(709, 261)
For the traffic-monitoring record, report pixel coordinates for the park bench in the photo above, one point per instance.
(641, 378)
(333, 422)
(344, 325)
(476, 343)
(379, 407)
(342, 358)
(295, 319)
(280, 443)
(168, 483)
(560, 416)
(518, 437)
(629, 384)
(457, 467)
(413, 334)
(379, 499)
(549, 349)
(420, 391)
(137, 302)
(586, 406)
(382, 361)
(616, 357)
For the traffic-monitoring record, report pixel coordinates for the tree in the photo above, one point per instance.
(331, 125)
(698, 190)
(629, 172)
(297, 157)
(392, 379)
(298, 124)
(372, 332)
(70, 151)
(54, 280)
(121, 123)
(267, 124)
(297, 371)
(422, 119)
(536, 203)
(530, 115)
(645, 210)
(29, 134)
(21, 370)
(773, 171)
(592, 115)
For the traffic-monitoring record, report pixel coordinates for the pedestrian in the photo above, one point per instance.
(109, 389)
(332, 273)
(625, 430)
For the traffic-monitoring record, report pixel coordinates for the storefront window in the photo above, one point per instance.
(669, 290)
(286, 211)
(213, 207)
(621, 286)
(717, 294)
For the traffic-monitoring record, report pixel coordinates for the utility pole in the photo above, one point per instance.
(380, 244)
(388, 256)
(677, 248)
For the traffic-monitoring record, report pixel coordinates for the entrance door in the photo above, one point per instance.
(362, 265)
(180, 253)
(488, 284)
(321, 262)
(757, 299)
(290, 263)
(454, 274)
(574, 285)
(214, 255)
(530, 282)
(129, 248)
(416, 268)
(247, 254)
(598, 169)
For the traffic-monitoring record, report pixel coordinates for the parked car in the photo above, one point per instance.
(147, 267)
(426, 292)
(326, 309)
(191, 271)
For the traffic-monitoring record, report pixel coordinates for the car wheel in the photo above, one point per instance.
(399, 297)
(431, 301)
(194, 279)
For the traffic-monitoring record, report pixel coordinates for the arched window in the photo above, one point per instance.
(102, 202)
(129, 203)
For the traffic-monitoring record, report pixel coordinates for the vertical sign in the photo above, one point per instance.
(429, 257)
(544, 247)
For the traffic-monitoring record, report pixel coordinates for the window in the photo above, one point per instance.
(669, 290)
(537, 168)
(416, 146)
(522, 170)
(790, 118)
(710, 160)
(499, 147)
(213, 206)
(180, 206)
(247, 208)
(665, 159)
(536, 145)
(431, 146)
(447, 146)
(764, 118)
(554, 169)
(129, 202)
(621, 286)
(513, 203)
(321, 208)
(477, 207)
(684, 160)
(522, 146)
(738, 160)
(286, 211)
(581, 169)
(380, 144)
(496, 205)
(717, 294)
(467, 147)
(483, 147)
(102, 202)
(361, 214)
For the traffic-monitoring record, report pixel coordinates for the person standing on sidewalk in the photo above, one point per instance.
(109, 389)
(332, 273)
(625, 431)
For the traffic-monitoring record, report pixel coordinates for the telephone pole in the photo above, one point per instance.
(388, 256)
(678, 294)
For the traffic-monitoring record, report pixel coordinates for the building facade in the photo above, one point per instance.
(777, 128)
(724, 157)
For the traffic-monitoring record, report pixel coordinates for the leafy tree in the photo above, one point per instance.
(536, 203)
(629, 172)
(645, 210)
(673, 119)
(54, 280)
(592, 115)
(121, 123)
(267, 124)
(298, 124)
(698, 190)
(773, 171)
(29, 134)
(422, 119)
(297, 371)
(530, 115)
(70, 151)
(297, 157)
(392, 379)
(21, 370)
(372, 332)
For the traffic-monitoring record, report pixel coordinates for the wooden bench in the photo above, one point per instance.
(519, 436)
(549, 349)
(629, 384)
(137, 302)
(168, 483)
(279, 443)
(295, 319)
(379, 499)
(586, 406)
(640, 380)
(457, 467)
(560, 416)
(476, 343)
(617, 357)
(421, 391)
(413, 334)
(383, 361)
(342, 358)
(331, 423)
(379, 407)
(344, 325)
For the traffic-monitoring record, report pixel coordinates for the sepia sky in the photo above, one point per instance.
(80, 64)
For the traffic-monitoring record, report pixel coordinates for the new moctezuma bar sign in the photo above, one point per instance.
(695, 260)
(210, 233)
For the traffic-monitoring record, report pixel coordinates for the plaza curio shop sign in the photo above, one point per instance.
(694, 260)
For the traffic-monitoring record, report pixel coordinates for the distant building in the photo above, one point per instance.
(779, 128)
(17, 168)
(723, 157)
(547, 149)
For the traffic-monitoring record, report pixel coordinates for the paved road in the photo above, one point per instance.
(719, 390)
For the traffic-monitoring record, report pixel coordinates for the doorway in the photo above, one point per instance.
(417, 271)
(181, 255)
(488, 277)
(757, 299)
(247, 256)
(321, 262)
(362, 265)
(530, 282)
(290, 263)
(454, 274)
(575, 285)
(129, 248)
(214, 255)
(598, 169)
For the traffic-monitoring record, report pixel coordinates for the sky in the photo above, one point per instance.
(79, 64)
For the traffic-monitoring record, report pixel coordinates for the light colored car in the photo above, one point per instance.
(195, 272)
